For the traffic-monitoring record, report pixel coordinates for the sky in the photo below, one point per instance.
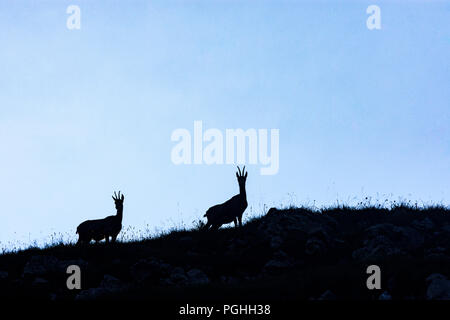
(86, 112)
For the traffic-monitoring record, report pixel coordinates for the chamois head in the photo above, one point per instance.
(118, 200)
(241, 177)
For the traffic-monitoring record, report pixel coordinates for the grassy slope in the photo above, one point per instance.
(286, 235)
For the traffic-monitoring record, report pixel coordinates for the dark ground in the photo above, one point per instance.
(286, 255)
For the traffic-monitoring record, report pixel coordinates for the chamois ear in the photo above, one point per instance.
(246, 174)
(122, 197)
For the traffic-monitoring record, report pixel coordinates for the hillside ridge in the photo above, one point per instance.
(286, 254)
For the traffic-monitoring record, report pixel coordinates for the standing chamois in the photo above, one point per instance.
(230, 210)
(103, 228)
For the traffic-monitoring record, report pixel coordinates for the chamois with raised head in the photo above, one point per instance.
(100, 229)
(231, 210)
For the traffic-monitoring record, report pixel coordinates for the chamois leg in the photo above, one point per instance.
(240, 221)
(113, 238)
(235, 222)
(107, 239)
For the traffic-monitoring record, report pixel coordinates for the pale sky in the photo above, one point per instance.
(84, 113)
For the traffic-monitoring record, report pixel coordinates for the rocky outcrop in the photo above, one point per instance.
(387, 241)
(327, 296)
(150, 270)
(438, 287)
(3, 275)
(39, 265)
(196, 277)
(109, 287)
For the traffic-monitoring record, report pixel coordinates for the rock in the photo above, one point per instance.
(197, 277)
(276, 242)
(436, 254)
(436, 250)
(280, 255)
(339, 243)
(18, 283)
(319, 241)
(91, 294)
(327, 295)
(178, 276)
(319, 232)
(40, 266)
(3, 275)
(192, 253)
(166, 282)
(229, 280)
(150, 270)
(276, 266)
(386, 241)
(108, 287)
(40, 283)
(111, 284)
(423, 225)
(409, 237)
(315, 247)
(235, 244)
(438, 287)
(385, 296)
(380, 248)
(282, 223)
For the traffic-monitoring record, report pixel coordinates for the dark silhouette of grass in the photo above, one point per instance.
(317, 248)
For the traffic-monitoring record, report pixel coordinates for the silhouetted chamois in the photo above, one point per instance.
(103, 228)
(230, 210)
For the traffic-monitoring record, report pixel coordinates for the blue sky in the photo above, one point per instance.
(86, 112)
